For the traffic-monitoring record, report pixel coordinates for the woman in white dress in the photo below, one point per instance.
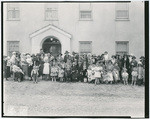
(46, 69)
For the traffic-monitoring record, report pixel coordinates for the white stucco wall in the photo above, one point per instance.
(103, 30)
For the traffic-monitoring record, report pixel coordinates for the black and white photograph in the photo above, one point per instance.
(73, 58)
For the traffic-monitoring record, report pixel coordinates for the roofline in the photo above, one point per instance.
(47, 27)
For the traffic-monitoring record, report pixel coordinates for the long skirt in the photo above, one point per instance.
(25, 69)
(41, 70)
(7, 72)
(29, 70)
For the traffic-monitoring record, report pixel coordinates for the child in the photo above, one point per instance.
(134, 76)
(54, 71)
(89, 73)
(97, 73)
(125, 76)
(93, 72)
(34, 73)
(61, 73)
(46, 69)
(140, 73)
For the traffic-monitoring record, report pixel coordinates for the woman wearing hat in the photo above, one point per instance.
(68, 67)
(66, 56)
(7, 68)
(133, 63)
(30, 66)
(24, 65)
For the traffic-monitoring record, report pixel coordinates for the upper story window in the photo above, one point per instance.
(122, 11)
(51, 12)
(85, 11)
(13, 12)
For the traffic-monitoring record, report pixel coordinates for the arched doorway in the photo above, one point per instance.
(51, 45)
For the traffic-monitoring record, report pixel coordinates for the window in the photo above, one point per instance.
(13, 12)
(12, 46)
(85, 11)
(85, 47)
(122, 47)
(85, 15)
(122, 11)
(51, 12)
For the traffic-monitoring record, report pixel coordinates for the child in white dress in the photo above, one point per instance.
(54, 71)
(89, 74)
(134, 76)
(97, 73)
(61, 73)
(35, 73)
(125, 76)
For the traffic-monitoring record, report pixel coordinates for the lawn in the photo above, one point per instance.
(48, 98)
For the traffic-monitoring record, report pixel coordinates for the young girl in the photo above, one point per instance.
(97, 73)
(89, 74)
(61, 73)
(125, 76)
(54, 71)
(134, 76)
(140, 73)
(46, 69)
(34, 73)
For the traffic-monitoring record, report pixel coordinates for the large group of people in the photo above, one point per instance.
(75, 68)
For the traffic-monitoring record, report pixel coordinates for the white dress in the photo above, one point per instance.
(97, 73)
(46, 68)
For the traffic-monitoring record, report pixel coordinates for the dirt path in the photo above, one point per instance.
(72, 99)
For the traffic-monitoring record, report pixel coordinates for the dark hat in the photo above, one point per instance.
(142, 57)
(66, 52)
(59, 54)
(113, 56)
(133, 57)
(38, 54)
(27, 53)
(74, 53)
(105, 52)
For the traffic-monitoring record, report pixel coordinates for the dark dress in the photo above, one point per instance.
(7, 73)
(80, 72)
(74, 73)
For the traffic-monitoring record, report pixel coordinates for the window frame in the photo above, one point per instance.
(85, 19)
(8, 44)
(14, 9)
(125, 42)
(84, 42)
(51, 9)
(122, 18)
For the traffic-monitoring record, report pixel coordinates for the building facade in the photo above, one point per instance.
(93, 27)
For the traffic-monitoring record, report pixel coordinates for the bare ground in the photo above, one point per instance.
(72, 99)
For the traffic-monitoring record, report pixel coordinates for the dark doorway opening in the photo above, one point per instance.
(52, 45)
